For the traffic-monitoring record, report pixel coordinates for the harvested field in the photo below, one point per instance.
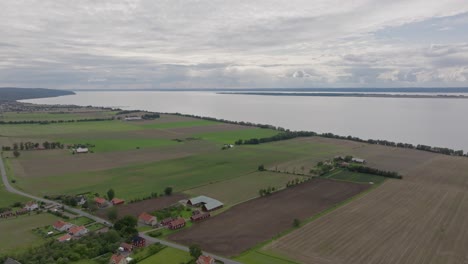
(246, 224)
(420, 219)
(149, 205)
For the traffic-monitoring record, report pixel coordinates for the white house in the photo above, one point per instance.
(31, 206)
(81, 150)
(61, 226)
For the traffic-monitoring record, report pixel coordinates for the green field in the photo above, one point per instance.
(17, 233)
(345, 175)
(180, 124)
(8, 198)
(50, 116)
(228, 191)
(168, 256)
(182, 174)
(260, 257)
(107, 145)
(229, 137)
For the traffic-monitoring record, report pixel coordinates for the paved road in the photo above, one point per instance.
(13, 190)
(153, 240)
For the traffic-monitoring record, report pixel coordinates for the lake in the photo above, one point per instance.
(429, 121)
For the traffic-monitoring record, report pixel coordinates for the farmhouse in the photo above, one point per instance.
(208, 204)
(31, 206)
(205, 260)
(357, 160)
(77, 231)
(138, 242)
(64, 238)
(81, 150)
(199, 217)
(176, 223)
(166, 221)
(147, 219)
(101, 202)
(117, 201)
(118, 259)
(61, 226)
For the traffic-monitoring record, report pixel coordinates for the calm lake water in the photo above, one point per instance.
(435, 122)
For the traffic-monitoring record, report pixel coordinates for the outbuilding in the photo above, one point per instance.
(206, 203)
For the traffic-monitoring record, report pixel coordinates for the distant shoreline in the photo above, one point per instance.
(438, 96)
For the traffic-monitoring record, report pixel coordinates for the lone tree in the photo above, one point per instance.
(110, 194)
(261, 168)
(16, 153)
(195, 251)
(168, 191)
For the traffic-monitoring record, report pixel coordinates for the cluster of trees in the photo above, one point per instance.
(369, 170)
(322, 168)
(47, 122)
(267, 191)
(295, 182)
(33, 145)
(150, 116)
(88, 247)
(281, 136)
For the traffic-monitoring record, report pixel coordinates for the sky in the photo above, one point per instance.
(88, 44)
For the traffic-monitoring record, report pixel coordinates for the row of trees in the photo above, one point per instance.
(281, 136)
(267, 191)
(47, 122)
(33, 145)
(369, 170)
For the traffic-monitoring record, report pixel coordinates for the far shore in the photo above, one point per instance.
(437, 96)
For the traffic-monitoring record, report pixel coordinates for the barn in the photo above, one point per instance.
(199, 217)
(206, 203)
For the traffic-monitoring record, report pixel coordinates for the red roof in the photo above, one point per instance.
(117, 258)
(59, 224)
(100, 200)
(205, 260)
(177, 221)
(146, 217)
(64, 238)
(117, 201)
(74, 230)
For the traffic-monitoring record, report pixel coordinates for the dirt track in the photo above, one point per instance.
(245, 225)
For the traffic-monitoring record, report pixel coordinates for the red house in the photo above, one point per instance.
(199, 217)
(117, 201)
(176, 223)
(138, 242)
(100, 202)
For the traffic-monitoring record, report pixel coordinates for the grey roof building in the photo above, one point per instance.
(207, 203)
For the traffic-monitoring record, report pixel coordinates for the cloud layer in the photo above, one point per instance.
(230, 44)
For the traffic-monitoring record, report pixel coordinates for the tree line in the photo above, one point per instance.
(47, 122)
(369, 170)
(33, 146)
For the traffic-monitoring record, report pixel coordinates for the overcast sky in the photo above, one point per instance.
(233, 44)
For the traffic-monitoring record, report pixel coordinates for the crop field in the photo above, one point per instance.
(246, 224)
(228, 191)
(148, 206)
(420, 219)
(107, 145)
(229, 137)
(17, 234)
(345, 175)
(49, 116)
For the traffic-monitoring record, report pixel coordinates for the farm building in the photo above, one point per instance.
(176, 223)
(205, 260)
(199, 217)
(147, 219)
(81, 150)
(138, 242)
(101, 202)
(125, 247)
(208, 204)
(61, 226)
(133, 118)
(118, 259)
(78, 231)
(117, 201)
(64, 238)
(31, 206)
(357, 160)
(166, 221)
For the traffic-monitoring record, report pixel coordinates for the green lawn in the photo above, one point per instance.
(229, 137)
(168, 256)
(180, 124)
(346, 175)
(107, 145)
(17, 233)
(228, 191)
(8, 198)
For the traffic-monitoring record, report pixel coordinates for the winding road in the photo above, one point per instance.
(98, 219)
